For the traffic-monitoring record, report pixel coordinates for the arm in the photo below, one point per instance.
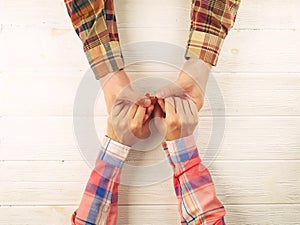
(210, 22)
(99, 204)
(194, 187)
(95, 23)
(197, 200)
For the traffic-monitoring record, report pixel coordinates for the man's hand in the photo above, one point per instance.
(117, 85)
(191, 82)
(178, 117)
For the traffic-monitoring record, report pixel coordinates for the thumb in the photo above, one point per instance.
(157, 112)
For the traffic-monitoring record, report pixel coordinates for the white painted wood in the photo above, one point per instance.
(165, 214)
(60, 49)
(54, 183)
(268, 14)
(41, 63)
(52, 138)
(53, 93)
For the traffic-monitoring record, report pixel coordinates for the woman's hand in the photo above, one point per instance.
(127, 124)
(178, 117)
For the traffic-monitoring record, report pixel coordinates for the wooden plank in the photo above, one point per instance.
(237, 182)
(243, 51)
(165, 214)
(53, 93)
(253, 14)
(52, 138)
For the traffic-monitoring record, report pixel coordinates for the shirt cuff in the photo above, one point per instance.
(205, 46)
(113, 152)
(105, 58)
(182, 149)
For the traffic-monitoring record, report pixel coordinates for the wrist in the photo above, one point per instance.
(112, 86)
(195, 72)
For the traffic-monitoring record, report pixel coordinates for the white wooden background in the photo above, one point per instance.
(41, 63)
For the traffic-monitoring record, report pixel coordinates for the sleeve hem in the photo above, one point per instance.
(205, 46)
(181, 144)
(182, 150)
(113, 152)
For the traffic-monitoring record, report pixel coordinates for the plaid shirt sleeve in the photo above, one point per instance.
(99, 204)
(210, 22)
(194, 187)
(95, 23)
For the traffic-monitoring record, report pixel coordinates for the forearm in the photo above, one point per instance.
(194, 187)
(99, 204)
(210, 22)
(95, 24)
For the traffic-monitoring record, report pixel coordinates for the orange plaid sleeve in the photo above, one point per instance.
(210, 22)
(95, 23)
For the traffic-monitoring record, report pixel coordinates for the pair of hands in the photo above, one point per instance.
(126, 107)
(174, 117)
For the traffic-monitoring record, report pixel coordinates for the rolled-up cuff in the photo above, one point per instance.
(204, 46)
(105, 58)
(113, 152)
(183, 149)
(182, 154)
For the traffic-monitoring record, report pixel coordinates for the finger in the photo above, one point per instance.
(139, 115)
(193, 108)
(161, 103)
(186, 106)
(150, 109)
(170, 106)
(148, 114)
(133, 110)
(157, 112)
(179, 106)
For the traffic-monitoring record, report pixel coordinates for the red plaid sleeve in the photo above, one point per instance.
(194, 187)
(210, 22)
(95, 23)
(99, 204)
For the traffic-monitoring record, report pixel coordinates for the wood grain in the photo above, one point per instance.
(236, 214)
(53, 93)
(272, 182)
(256, 170)
(52, 138)
(253, 14)
(243, 51)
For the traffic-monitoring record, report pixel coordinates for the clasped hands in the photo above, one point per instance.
(174, 117)
(174, 108)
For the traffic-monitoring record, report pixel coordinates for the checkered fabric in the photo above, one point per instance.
(99, 204)
(197, 200)
(194, 187)
(95, 23)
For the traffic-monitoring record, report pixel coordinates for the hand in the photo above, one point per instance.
(126, 123)
(179, 116)
(191, 82)
(117, 85)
